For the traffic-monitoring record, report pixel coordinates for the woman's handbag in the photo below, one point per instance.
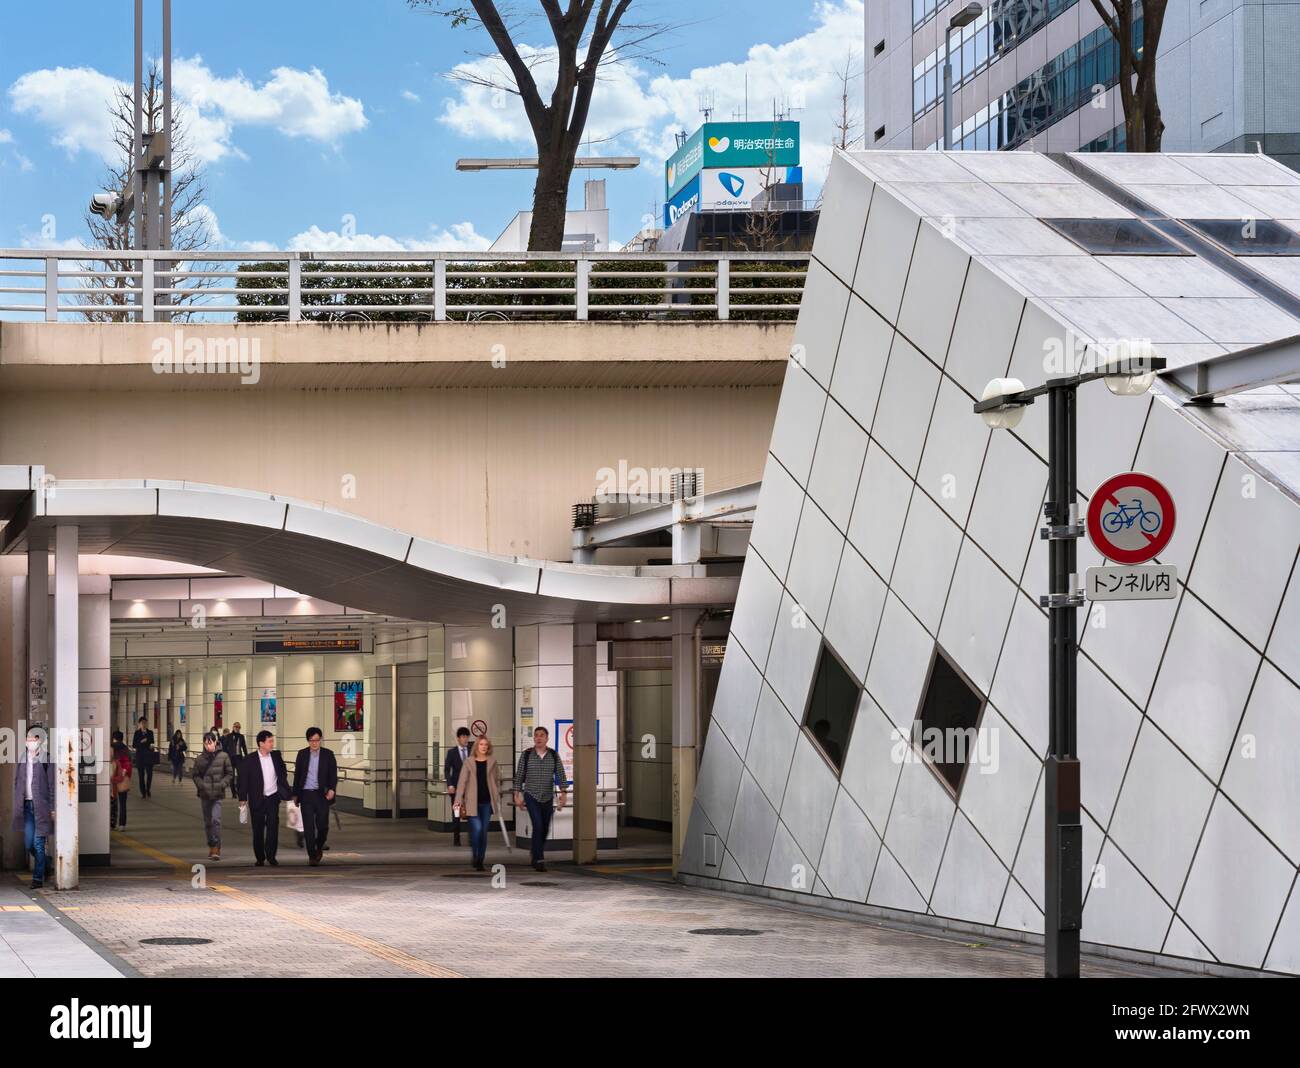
(121, 785)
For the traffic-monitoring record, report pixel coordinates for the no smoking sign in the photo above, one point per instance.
(1131, 518)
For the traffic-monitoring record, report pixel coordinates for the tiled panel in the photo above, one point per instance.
(1062, 276)
(837, 466)
(856, 605)
(926, 559)
(816, 558)
(934, 287)
(954, 452)
(787, 867)
(1285, 954)
(1175, 276)
(847, 197)
(849, 855)
(1125, 911)
(1108, 724)
(798, 415)
(795, 646)
(1182, 943)
(971, 880)
(1124, 643)
(1007, 512)
(777, 517)
(976, 616)
(1263, 774)
(870, 768)
(757, 603)
(1200, 693)
(771, 746)
(1111, 426)
(1158, 816)
(899, 664)
(918, 824)
(693, 861)
(821, 318)
(1019, 911)
(736, 698)
(1250, 539)
(860, 368)
(892, 889)
(906, 402)
(750, 839)
(996, 796)
(1234, 321)
(886, 254)
(1235, 866)
(806, 808)
(879, 510)
(1284, 645)
(715, 792)
(985, 330)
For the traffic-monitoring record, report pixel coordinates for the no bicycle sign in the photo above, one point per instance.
(1131, 518)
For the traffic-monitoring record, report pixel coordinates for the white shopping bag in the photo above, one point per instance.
(294, 817)
(243, 813)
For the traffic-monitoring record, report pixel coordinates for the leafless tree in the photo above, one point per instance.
(191, 229)
(847, 122)
(587, 34)
(1143, 126)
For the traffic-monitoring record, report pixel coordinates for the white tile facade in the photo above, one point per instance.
(924, 531)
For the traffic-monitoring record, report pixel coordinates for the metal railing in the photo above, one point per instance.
(154, 286)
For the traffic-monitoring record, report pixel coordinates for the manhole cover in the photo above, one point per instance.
(537, 882)
(175, 941)
(725, 931)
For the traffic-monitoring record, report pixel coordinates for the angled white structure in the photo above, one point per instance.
(896, 532)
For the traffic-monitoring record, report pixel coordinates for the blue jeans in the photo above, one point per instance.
(539, 815)
(478, 831)
(33, 842)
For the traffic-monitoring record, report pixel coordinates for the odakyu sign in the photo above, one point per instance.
(686, 201)
(729, 145)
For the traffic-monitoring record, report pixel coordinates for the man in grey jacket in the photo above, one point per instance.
(34, 802)
(213, 773)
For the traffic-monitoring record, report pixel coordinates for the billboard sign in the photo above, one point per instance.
(684, 164)
(750, 144)
(686, 201)
(733, 187)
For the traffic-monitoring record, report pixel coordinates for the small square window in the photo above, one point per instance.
(880, 133)
(832, 708)
(948, 720)
(880, 47)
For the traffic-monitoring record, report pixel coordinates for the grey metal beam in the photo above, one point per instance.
(1269, 364)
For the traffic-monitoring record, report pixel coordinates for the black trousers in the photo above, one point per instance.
(315, 820)
(144, 765)
(265, 816)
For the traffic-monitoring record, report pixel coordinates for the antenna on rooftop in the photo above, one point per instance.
(708, 102)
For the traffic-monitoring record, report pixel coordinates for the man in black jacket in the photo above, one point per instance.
(451, 776)
(315, 780)
(237, 749)
(263, 784)
(143, 744)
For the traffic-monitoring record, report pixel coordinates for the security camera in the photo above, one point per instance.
(106, 205)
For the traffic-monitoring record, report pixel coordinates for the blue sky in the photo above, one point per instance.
(329, 123)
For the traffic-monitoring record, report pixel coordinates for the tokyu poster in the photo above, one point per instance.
(268, 706)
(349, 706)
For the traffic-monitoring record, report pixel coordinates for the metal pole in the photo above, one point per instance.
(1063, 850)
(947, 89)
(397, 774)
(165, 202)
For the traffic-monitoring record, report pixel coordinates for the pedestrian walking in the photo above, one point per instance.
(176, 750)
(478, 793)
(34, 803)
(451, 776)
(212, 774)
(263, 784)
(315, 780)
(540, 770)
(145, 755)
(119, 783)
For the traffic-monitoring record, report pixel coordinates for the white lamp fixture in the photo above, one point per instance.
(1008, 416)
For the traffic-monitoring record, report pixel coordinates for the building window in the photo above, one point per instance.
(880, 47)
(832, 708)
(880, 133)
(948, 721)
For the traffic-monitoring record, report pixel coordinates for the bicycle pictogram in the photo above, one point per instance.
(1125, 515)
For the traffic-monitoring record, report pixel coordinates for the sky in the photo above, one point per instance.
(335, 124)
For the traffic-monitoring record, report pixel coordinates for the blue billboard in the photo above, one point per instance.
(686, 200)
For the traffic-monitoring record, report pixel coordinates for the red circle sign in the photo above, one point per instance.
(568, 736)
(1131, 518)
(478, 728)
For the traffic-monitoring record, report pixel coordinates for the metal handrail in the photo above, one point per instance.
(155, 285)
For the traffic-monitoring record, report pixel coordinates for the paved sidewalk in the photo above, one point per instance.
(35, 945)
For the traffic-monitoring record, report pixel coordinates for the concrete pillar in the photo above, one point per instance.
(66, 706)
(39, 679)
(685, 720)
(13, 703)
(95, 674)
(585, 770)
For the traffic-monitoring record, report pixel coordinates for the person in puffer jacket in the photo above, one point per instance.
(213, 773)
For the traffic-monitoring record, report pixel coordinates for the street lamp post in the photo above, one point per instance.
(1003, 406)
(964, 17)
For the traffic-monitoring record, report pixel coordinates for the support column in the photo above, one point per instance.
(67, 685)
(685, 722)
(585, 758)
(395, 728)
(38, 681)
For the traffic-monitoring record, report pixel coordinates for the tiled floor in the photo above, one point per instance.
(392, 900)
(33, 944)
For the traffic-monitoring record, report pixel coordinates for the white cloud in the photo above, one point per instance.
(6, 138)
(220, 240)
(642, 111)
(459, 237)
(77, 104)
(414, 98)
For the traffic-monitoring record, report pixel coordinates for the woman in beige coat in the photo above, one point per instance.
(478, 795)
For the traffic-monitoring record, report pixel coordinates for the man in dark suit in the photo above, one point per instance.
(451, 776)
(237, 749)
(263, 784)
(143, 744)
(315, 780)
